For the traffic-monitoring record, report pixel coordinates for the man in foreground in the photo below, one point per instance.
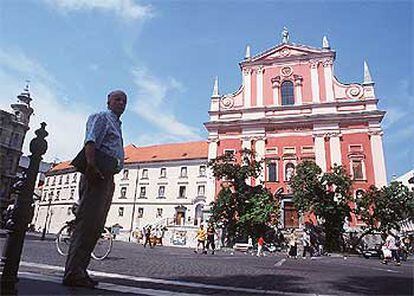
(104, 155)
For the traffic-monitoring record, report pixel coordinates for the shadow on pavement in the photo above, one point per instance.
(378, 285)
(284, 283)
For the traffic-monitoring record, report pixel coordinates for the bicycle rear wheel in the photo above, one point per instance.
(63, 238)
(103, 246)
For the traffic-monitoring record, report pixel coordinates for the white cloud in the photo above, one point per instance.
(151, 105)
(65, 119)
(126, 9)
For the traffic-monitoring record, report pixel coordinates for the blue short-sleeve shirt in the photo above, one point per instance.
(104, 129)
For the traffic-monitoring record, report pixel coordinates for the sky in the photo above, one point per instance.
(165, 55)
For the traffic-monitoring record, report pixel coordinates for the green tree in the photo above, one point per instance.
(240, 209)
(384, 209)
(327, 195)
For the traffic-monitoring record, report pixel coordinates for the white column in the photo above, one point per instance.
(259, 86)
(320, 154)
(335, 147)
(314, 81)
(298, 89)
(378, 160)
(247, 88)
(275, 88)
(327, 71)
(260, 147)
(212, 149)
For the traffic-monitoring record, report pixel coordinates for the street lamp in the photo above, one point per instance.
(22, 215)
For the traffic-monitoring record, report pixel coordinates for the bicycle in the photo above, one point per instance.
(102, 249)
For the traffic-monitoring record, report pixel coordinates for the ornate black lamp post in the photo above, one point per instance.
(22, 215)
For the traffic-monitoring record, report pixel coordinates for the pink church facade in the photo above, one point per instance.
(291, 107)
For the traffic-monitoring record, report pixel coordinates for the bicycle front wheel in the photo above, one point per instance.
(103, 246)
(63, 238)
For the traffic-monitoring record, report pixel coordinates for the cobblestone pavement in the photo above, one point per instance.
(182, 271)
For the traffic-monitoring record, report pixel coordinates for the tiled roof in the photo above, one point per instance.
(166, 152)
(156, 153)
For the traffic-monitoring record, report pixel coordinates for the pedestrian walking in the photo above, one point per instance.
(293, 246)
(390, 250)
(158, 235)
(147, 234)
(100, 159)
(210, 239)
(307, 247)
(201, 239)
(260, 243)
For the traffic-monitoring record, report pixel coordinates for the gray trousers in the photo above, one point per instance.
(95, 201)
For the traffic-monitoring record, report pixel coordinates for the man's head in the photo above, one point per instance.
(117, 101)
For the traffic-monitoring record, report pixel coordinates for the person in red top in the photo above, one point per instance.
(260, 243)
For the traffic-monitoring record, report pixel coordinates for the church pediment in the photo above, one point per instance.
(283, 51)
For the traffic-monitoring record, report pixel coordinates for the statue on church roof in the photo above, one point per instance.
(285, 35)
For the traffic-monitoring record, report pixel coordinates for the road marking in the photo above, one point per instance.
(109, 287)
(383, 269)
(279, 263)
(169, 282)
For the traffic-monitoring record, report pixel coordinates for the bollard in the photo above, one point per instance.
(22, 215)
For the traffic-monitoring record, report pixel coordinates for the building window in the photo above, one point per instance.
(72, 193)
(289, 150)
(67, 179)
(202, 171)
(75, 175)
(272, 171)
(163, 173)
(54, 181)
(45, 196)
(123, 192)
(161, 192)
(159, 213)
(120, 211)
(47, 181)
(357, 169)
(140, 212)
(142, 192)
(51, 195)
(144, 174)
(271, 150)
(201, 190)
(181, 193)
(69, 211)
(183, 172)
(60, 180)
(125, 174)
(57, 195)
(287, 92)
(289, 171)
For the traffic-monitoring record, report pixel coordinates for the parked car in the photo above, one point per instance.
(372, 253)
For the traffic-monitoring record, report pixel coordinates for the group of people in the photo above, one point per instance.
(393, 248)
(205, 239)
(152, 235)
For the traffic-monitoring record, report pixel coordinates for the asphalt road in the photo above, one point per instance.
(181, 270)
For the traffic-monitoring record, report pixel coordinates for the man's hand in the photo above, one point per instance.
(93, 173)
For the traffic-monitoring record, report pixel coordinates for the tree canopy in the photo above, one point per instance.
(240, 209)
(384, 209)
(327, 195)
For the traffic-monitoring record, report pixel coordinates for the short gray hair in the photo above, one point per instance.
(115, 92)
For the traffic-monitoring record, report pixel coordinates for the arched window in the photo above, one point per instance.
(288, 97)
